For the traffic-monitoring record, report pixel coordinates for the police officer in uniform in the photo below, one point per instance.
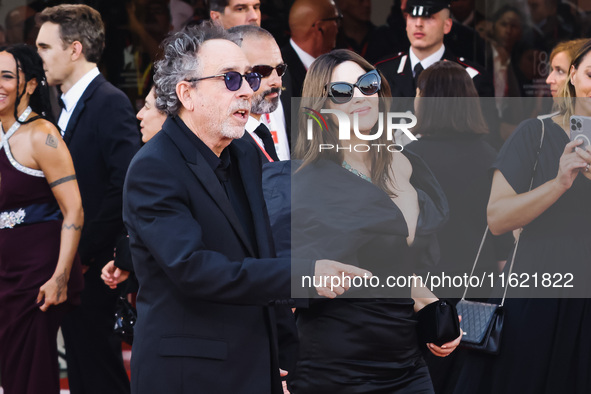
(427, 23)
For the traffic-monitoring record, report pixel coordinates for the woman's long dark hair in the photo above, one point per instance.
(29, 62)
(448, 102)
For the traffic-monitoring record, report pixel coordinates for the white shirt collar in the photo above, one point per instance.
(496, 58)
(305, 57)
(275, 121)
(252, 124)
(428, 61)
(72, 96)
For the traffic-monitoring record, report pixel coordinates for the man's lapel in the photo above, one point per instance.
(407, 83)
(203, 172)
(73, 122)
(254, 193)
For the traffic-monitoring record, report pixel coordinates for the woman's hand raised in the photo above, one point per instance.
(571, 163)
(585, 154)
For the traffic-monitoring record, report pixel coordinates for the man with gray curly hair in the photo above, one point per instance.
(199, 232)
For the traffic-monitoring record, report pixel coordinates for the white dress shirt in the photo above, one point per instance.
(71, 97)
(275, 122)
(426, 62)
(305, 57)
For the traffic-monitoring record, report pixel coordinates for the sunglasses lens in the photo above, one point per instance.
(265, 71)
(233, 80)
(369, 83)
(254, 80)
(341, 92)
(281, 69)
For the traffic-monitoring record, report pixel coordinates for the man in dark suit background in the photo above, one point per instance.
(98, 125)
(314, 26)
(268, 125)
(199, 232)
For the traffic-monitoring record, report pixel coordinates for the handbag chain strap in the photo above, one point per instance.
(520, 231)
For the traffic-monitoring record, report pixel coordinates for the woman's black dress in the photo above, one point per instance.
(546, 343)
(461, 164)
(362, 345)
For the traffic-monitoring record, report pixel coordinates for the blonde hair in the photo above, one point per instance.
(571, 48)
(568, 94)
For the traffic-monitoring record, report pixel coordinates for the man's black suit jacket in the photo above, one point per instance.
(102, 137)
(286, 95)
(402, 82)
(293, 82)
(204, 322)
(296, 69)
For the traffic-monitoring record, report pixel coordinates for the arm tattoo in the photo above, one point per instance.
(71, 226)
(61, 284)
(51, 141)
(62, 180)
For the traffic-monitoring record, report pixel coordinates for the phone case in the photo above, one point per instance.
(580, 129)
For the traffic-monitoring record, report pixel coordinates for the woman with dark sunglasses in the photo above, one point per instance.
(376, 208)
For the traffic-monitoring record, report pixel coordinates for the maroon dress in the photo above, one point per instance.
(30, 226)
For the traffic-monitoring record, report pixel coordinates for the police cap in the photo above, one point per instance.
(425, 7)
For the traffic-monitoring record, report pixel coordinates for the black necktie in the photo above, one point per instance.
(264, 134)
(61, 104)
(418, 70)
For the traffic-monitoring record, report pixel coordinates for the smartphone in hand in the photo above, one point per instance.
(580, 129)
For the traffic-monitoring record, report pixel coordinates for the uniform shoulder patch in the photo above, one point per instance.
(469, 69)
(472, 72)
(399, 54)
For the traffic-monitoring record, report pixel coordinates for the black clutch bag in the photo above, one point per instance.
(125, 318)
(438, 323)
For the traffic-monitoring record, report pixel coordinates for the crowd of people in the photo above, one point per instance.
(219, 196)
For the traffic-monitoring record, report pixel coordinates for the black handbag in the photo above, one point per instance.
(482, 322)
(125, 318)
(482, 325)
(438, 323)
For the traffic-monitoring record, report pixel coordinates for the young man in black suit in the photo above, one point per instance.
(199, 232)
(98, 125)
